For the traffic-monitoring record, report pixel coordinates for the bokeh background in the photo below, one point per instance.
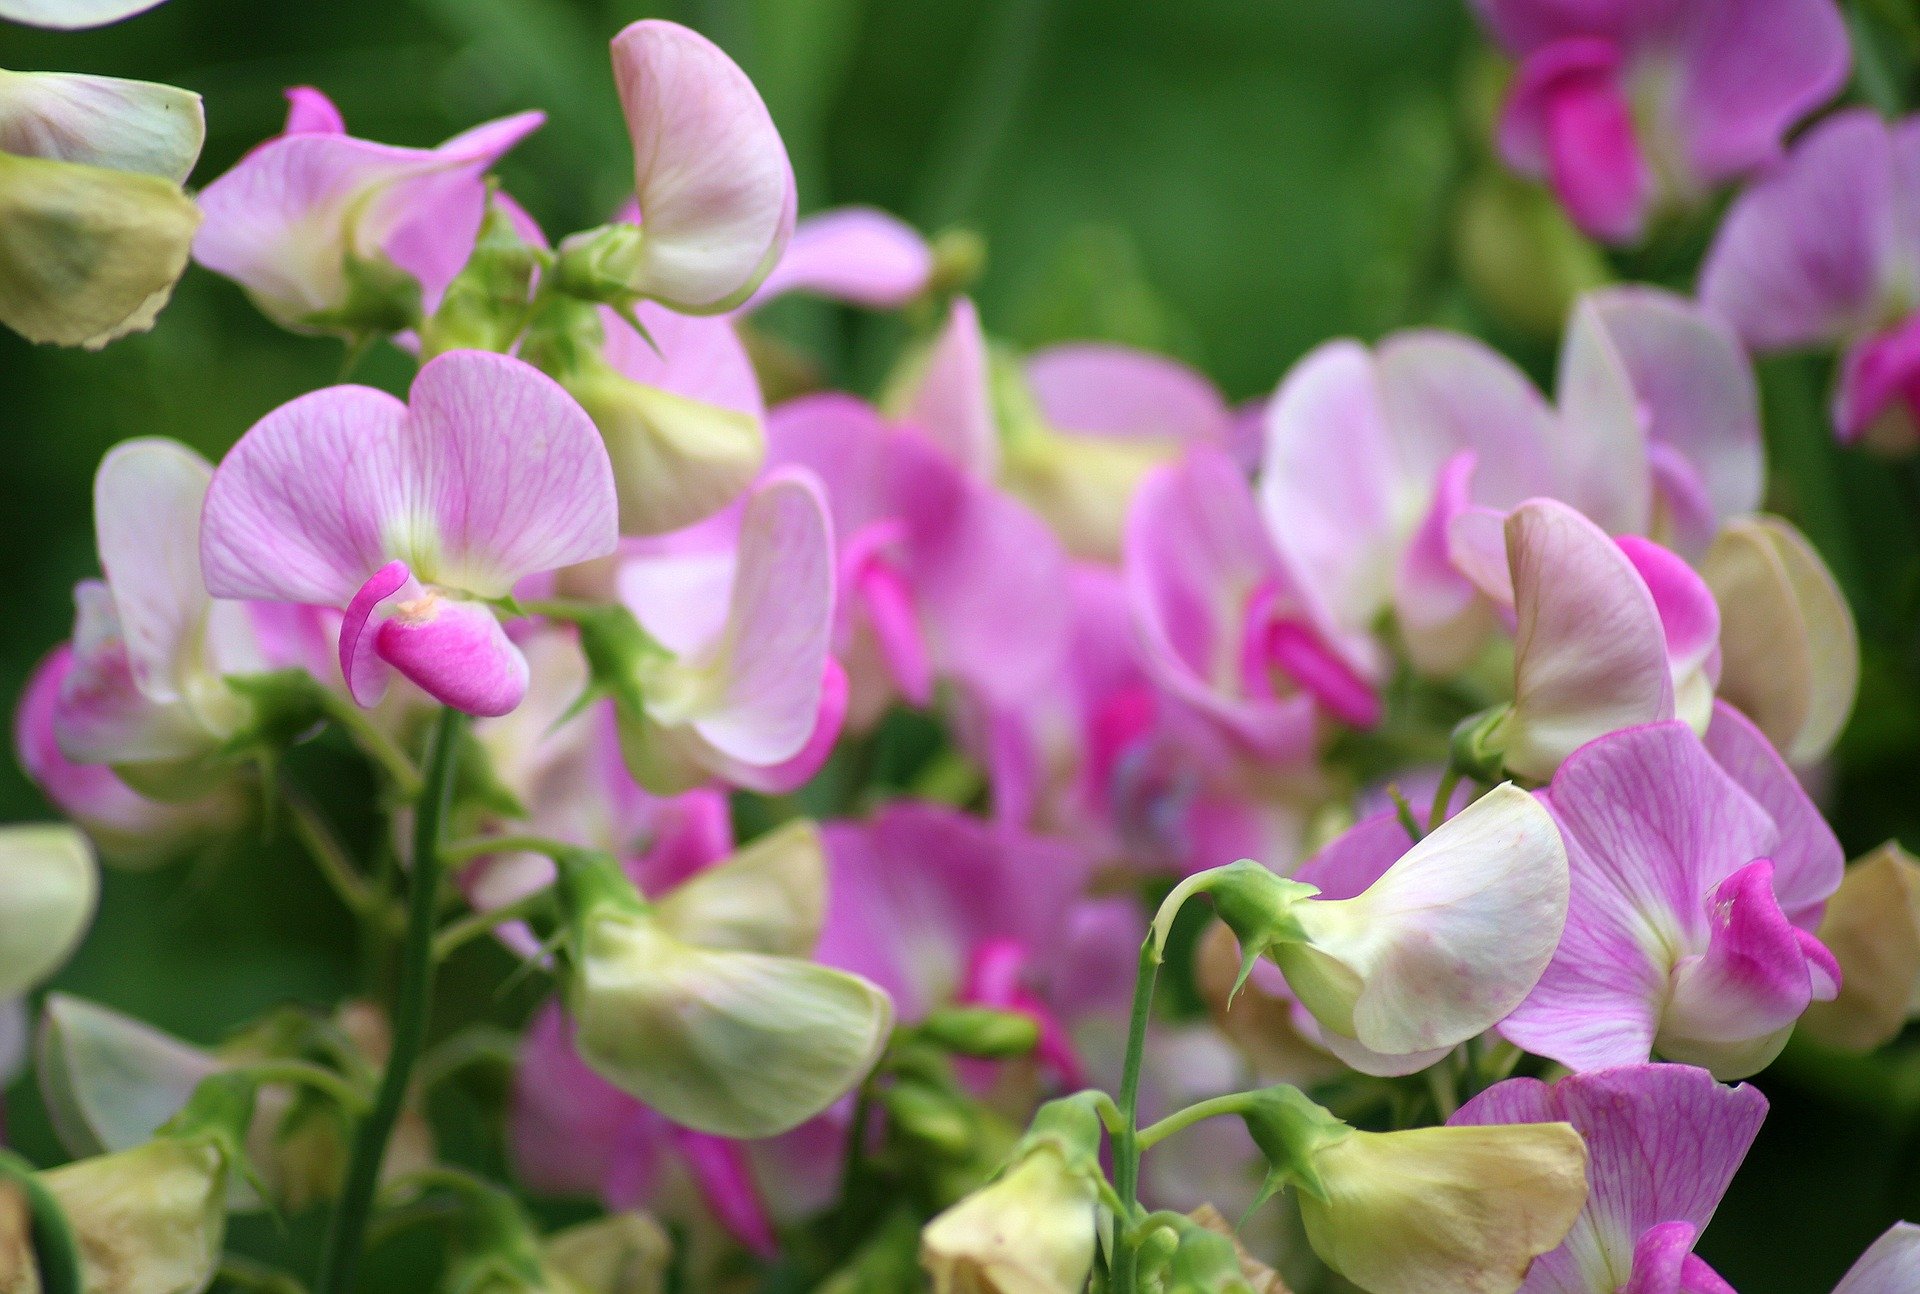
(1229, 180)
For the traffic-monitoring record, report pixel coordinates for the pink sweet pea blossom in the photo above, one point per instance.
(941, 577)
(741, 683)
(1663, 1144)
(321, 229)
(1825, 251)
(1371, 454)
(1629, 108)
(411, 516)
(1699, 873)
(860, 255)
(1226, 624)
(1608, 633)
(715, 189)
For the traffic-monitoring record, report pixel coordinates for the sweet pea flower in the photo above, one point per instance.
(1663, 1143)
(94, 225)
(1369, 455)
(735, 679)
(1890, 1265)
(1822, 251)
(1609, 633)
(1632, 108)
(146, 689)
(332, 234)
(715, 189)
(1227, 626)
(411, 516)
(858, 255)
(69, 15)
(1072, 431)
(941, 577)
(1397, 952)
(1700, 870)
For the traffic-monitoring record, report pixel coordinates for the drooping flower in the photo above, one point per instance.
(941, 577)
(715, 189)
(411, 516)
(735, 678)
(94, 226)
(1663, 1143)
(1608, 633)
(1699, 873)
(1633, 108)
(1822, 251)
(329, 233)
(1226, 624)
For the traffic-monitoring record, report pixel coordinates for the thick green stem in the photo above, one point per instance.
(1126, 1145)
(346, 1232)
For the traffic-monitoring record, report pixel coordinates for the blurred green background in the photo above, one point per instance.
(1230, 180)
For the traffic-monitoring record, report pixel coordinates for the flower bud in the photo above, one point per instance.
(1520, 254)
(1081, 486)
(623, 1253)
(1260, 1278)
(1872, 927)
(485, 307)
(49, 883)
(1790, 655)
(601, 265)
(87, 254)
(1032, 1229)
(981, 1031)
(1457, 1209)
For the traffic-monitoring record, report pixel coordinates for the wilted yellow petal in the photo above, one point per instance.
(1029, 1231)
(148, 1220)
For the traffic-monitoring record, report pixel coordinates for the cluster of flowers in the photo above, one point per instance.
(587, 605)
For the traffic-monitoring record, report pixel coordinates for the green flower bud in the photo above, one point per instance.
(49, 883)
(486, 305)
(623, 1253)
(981, 1031)
(601, 265)
(1520, 254)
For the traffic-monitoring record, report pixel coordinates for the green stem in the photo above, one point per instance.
(1213, 1108)
(465, 851)
(476, 924)
(1126, 1146)
(306, 1074)
(1443, 797)
(346, 1231)
(375, 744)
(330, 857)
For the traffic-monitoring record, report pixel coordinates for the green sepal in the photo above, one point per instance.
(1290, 1129)
(381, 299)
(1204, 1262)
(1478, 746)
(619, 654)
(220, 1111)
(287, 706)
(981, 1031)
(56, 1253)
(1071, 1126)
(590, 881)
(1256, 905)
(600, 265)
(487, 304)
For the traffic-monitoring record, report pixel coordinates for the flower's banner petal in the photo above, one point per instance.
(688, 355)
(1603, 443)
(1747, 74)
(1103, 389)
(1651, 824)
(716, 190)
(1329, 479)
(860, 255)
(770, 661)
(51, 883)
(1891, 1264)
(1590, 656)
(510, 477)
(1807, 858)
(1441, 393)
(72, 14)
(1694, 386)
(102, 121)
(567, 1127)
(951, 396)
(298, 509)
(1663, 1143)
(770, 897)
(1442, 616)
(147, 497)
(1804, 254)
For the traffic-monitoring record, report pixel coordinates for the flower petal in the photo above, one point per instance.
(102, 121)
(1807, 859)
(50, 883)
(72, 14)
(1890, 1265)
(147, 498)
(1603, 448)
(860, 255)
(456, 652)
(716, 191)
(1103, 389)
(1748, 74)
(951, 398)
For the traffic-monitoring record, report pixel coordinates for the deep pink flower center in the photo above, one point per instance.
(1276, 645)
(1882, 375)
(1574, 91)
(874, 575)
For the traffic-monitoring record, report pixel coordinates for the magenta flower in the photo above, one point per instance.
(1629, 108)
(941, 577)
(1608, 633)
(714, 185)
(1226, 624)
(412, 517)
(1823, 251)
(1663, 1144)
(739, 682)
(328, 233)
(941, 909)
(1699, 873)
